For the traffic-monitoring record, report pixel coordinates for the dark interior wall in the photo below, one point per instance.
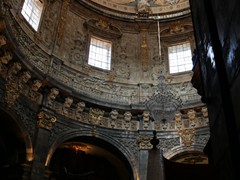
(174, 170)
(217, 27)
(12, 148)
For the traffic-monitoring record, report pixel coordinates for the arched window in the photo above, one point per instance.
(32, 11)
(180, 58)
(100, 53)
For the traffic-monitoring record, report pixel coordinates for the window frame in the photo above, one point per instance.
(169, 66)
(104, 40)
(30, 19)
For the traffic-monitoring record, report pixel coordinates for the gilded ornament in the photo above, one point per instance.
(46, 120)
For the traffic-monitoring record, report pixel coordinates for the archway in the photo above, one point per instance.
(89, 158)
(15, 147)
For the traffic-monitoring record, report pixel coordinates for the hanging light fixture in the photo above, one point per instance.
(163, 104)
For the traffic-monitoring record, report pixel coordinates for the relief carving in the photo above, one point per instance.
(95, 116)
(187, 136)
(15, 85)
(144, 51)
(172, 1)
(49, 22)
(176, 27)
(121, 66)
(79, 109)
(3, 40)
(61, 26)
(146, 118)
(144, 142)
(66, 106)
(46, 120)
(52, 96)
(27, 116)
(36, 85)
(77, 53)
(113, 116)
(127, 117)
(143, 7)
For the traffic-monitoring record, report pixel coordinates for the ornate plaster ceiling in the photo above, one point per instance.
(163, 9)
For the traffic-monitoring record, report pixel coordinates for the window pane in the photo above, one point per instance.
(100, 53)
(31, 11)
(180, 58)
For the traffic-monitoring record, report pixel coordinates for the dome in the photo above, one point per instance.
(88, 73)
(156, 9)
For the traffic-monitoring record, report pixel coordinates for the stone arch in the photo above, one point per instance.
(87, 133)
(181, 149)
(25, 135)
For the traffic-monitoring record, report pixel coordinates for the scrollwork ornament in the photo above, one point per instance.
(46, 120)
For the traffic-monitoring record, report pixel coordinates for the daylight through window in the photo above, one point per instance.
(180, 58)
(100, 53)
(31, 11)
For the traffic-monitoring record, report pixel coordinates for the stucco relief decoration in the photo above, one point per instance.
(46, 120)
(12, 87)
(61, 26)
(121, 67)
(192, 117)
(77, 53)
(95, 116)
(177, 27)
(187, 136)
(144, 51)
(103, 27)
(79, 109)
(24, 78)
(49, 22)
(143, 7)
(172, 1)
(144, 142)
(103, 24)
(66, 106)
(127, 117)
(36, 85)
(34, 90)
(114, 116)
(204, 112)
(6, 57)
(146, 118)
(3, 40)
(178, 120)
(52, 96)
